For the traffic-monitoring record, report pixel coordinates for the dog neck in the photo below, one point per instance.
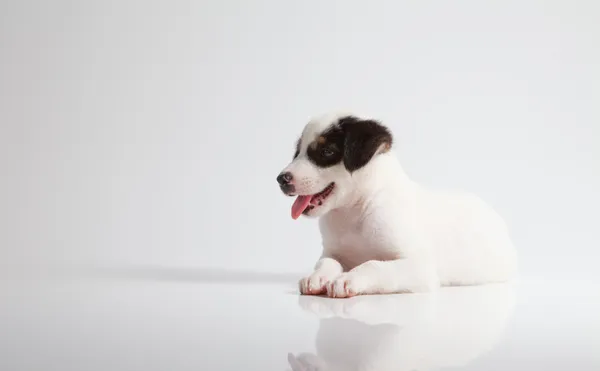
(383, 173)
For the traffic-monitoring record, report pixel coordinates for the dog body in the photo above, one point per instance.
(381, 231)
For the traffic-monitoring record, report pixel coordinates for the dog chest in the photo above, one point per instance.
(353, 241)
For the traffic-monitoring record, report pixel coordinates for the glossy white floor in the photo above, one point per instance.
(179, 319)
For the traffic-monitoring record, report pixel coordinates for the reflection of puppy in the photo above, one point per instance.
(398, 332)
(383, 233)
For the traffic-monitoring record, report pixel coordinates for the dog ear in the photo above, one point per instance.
(363, 140)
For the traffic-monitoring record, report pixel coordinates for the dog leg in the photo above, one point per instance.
(326, 270)
(385, 277)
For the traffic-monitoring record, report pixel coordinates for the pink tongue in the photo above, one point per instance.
(300, 205)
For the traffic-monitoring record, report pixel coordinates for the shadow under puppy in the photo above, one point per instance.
(381, 231)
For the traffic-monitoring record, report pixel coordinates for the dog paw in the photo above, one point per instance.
(313, 285)
(346, 285)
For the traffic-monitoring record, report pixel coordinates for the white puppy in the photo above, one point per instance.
(382, 232)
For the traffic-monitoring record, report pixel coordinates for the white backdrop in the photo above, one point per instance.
(151, 133)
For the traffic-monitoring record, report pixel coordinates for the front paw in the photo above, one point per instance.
(315, 284)
(346, 285)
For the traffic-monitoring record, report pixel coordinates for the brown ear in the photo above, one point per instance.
(363, 140)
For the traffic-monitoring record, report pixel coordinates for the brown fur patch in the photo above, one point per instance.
(321, 140)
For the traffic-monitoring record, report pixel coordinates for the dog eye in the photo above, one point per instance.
(326, 152)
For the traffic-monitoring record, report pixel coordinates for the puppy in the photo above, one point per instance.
(382, 232)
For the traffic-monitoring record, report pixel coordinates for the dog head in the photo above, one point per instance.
(330, 150)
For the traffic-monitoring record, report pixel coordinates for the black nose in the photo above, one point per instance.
(284, 178)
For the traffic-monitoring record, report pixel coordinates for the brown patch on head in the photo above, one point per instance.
(364, 139)
(327, 149)
(321, 140)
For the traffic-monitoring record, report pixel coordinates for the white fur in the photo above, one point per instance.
(384, 233)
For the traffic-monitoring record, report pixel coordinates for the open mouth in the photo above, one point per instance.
(304, 204)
